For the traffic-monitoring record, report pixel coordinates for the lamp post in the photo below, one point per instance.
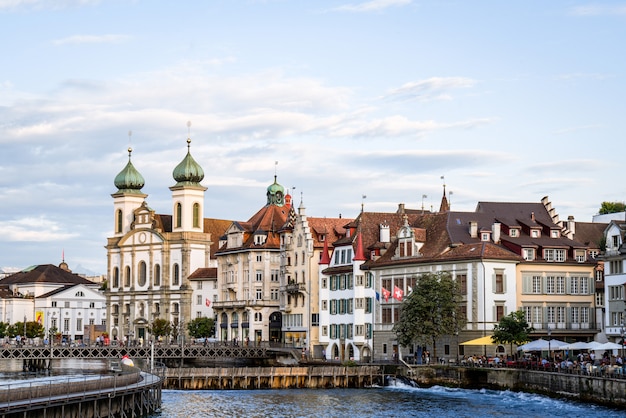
(549, 347)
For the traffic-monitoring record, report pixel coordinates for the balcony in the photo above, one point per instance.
(293, 288)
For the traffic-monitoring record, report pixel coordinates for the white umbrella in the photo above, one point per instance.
(594, 345)
(542, 345)
(611, 346)
(580, 345)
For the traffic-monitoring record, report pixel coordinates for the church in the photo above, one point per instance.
(151, 257)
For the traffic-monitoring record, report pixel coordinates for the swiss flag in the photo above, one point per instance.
(207, 302)
(386, 294)
(397, 293)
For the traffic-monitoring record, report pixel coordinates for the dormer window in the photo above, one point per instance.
(513, 233)
(322, 237)
(259, 239)
(534, 233)
(554, 233)
(528, 254)
(485, 236)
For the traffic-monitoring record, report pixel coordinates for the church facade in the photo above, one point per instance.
(151, 256)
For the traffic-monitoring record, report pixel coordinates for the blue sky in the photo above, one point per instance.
(507, 100)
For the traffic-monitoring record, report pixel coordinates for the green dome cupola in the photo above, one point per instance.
(188, 172)
(275, 194)
(129, 180)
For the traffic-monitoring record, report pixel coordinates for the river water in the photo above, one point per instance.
(398, 401)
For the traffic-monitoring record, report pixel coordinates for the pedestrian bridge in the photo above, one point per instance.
(163, 352)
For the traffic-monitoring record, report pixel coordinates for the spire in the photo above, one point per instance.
(358, 251)
(325, 260)
(445, 206)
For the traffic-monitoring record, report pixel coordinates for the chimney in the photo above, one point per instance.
(571, 227)
(384, 234)
(532, 216)
(495, 232)
(400, 207)
(473, 229)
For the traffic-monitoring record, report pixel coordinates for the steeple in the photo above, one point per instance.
(188, 194)
(188, 172)
(445, 206)
(129, 180)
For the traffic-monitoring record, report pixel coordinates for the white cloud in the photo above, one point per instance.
(44, 4)
(371, 6)
(34, 229)
(598, 10)
(91, 39)
(434, 88)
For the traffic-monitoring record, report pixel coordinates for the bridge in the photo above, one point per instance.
(35, 355)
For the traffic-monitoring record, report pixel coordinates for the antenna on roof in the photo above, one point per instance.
(423, 197)
(363, 202)
(450, 200)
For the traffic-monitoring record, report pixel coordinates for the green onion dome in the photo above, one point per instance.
(188, 172)
(275, 194)
(129, 180)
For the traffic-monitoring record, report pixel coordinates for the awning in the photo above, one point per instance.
(486, 340)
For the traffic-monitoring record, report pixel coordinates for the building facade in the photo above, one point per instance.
(151, 256)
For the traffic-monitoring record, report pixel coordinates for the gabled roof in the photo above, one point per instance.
(215, 227)
(332, 228)
(45, 273)
(267, 221)
(204, 273)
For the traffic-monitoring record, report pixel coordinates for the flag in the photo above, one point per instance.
(207, 302)
(410, 289)
(377, 296)
(397, 293)
(386, 294)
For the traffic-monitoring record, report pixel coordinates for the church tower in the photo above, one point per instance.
(188, 195)
(128, 197)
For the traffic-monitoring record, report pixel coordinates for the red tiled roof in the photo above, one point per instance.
(204, 273)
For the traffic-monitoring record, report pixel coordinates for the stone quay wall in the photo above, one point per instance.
(594, 389)
(273, 377)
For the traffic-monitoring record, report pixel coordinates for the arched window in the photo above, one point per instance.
(196, 215)
(176, 279)
(116, 277)
(179, 215)
(157, 275)
(118, 221)
(244, 316)
(127, 277)
(142, 273)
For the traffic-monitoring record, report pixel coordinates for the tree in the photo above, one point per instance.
(160, 328)
(611, 207)
(430, 311)
(4, 329)
(33, 329)
(512, 329)
(200, 327)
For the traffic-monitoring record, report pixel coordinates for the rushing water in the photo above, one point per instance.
(398, 401)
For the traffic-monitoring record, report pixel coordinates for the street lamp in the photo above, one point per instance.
(549, 347)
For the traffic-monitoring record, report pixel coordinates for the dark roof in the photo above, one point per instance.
(590, 233)
(45, 273)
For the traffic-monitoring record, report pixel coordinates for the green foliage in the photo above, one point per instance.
(33, 329)
(512, 329)
(200, 327)
(4, 329)
(160, 328)
(430, 311)
(611, 207)
(349, 363)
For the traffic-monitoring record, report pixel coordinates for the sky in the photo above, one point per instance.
(348, 102)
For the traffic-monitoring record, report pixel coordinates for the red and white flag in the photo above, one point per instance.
(397, 293)
(386, 294)
(207, 302)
